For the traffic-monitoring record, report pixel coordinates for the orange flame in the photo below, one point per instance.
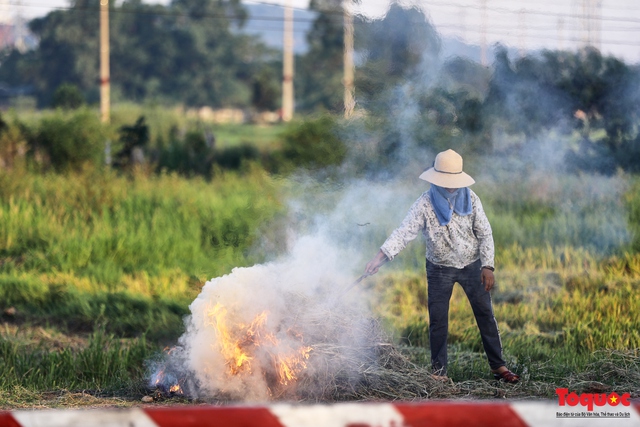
(159, 376)
(288, 367)
(230, 348)
(237, 344)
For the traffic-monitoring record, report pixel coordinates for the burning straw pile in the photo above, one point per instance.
(374, 370)
(277, 332)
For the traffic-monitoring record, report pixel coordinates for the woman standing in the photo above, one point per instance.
(459, 248)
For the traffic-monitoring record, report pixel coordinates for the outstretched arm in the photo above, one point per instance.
(373, 265)
(413, 222)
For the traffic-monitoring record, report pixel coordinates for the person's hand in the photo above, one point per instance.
(487, 279)
(374, 265)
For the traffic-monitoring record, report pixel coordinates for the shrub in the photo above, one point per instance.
(68, 97)
(314, 144)
(71, 141)
(133, 138)
(233, 157)
(13, 145)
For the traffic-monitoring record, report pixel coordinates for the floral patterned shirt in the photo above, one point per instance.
(461, 242)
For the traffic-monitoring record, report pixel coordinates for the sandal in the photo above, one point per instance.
(507, 376)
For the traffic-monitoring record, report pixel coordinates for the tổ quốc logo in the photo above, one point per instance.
(590, 401)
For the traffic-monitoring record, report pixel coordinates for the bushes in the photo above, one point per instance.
(66, 141)
(233, 157)
(196, 154)
(13, 146)
(313, 144)
(68, 97)
(70, 141)
(133, 139)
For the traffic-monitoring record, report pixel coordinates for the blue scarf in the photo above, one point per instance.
(445, 203)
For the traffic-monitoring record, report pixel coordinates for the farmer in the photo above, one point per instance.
(459, 249)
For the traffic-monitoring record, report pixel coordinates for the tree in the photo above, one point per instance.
(266, 89)
(68, 97)
(319, 72)
(401, 47)
(525, 94)
(581, 90)
(185, 52)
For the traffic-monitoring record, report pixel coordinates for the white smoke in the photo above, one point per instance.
(300, 298)
(333, 231)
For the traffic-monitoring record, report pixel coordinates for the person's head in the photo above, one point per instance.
(447, 172)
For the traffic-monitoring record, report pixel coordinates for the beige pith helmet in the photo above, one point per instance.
(447, 171)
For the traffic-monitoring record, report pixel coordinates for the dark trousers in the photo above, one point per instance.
(440, 281)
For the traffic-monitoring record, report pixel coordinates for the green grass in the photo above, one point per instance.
(566, 297)
(559, 309)
(106, 364)
(264, 137)
(132, 252)
(162, 119)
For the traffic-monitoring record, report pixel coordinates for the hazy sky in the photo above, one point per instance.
(523, 25)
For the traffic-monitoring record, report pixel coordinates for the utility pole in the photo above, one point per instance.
(560, 33)
(105, 87)
(483, 29)
(522, 33)
(590, 12)
(19, 27)
(596, 24)
(462, 13)
(5, 19)
(349, 99)
(287, 64)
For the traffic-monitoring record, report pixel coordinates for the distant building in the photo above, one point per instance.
(7, 35)
(14, 32)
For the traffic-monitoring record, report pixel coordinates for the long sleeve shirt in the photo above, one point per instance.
(461, 242)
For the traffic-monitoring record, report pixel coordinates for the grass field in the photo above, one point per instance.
(97, 271)
(161, 120)
(129, 253)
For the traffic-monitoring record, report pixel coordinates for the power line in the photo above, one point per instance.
(533, 12)
(545, 27)
(299, 9)
(167, 13)
(306, 20)
(426, 3)
(541, 37)
(338, 13)
(158, 12)
(609, 6)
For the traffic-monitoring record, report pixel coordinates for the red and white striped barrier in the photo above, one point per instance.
(438, 413)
